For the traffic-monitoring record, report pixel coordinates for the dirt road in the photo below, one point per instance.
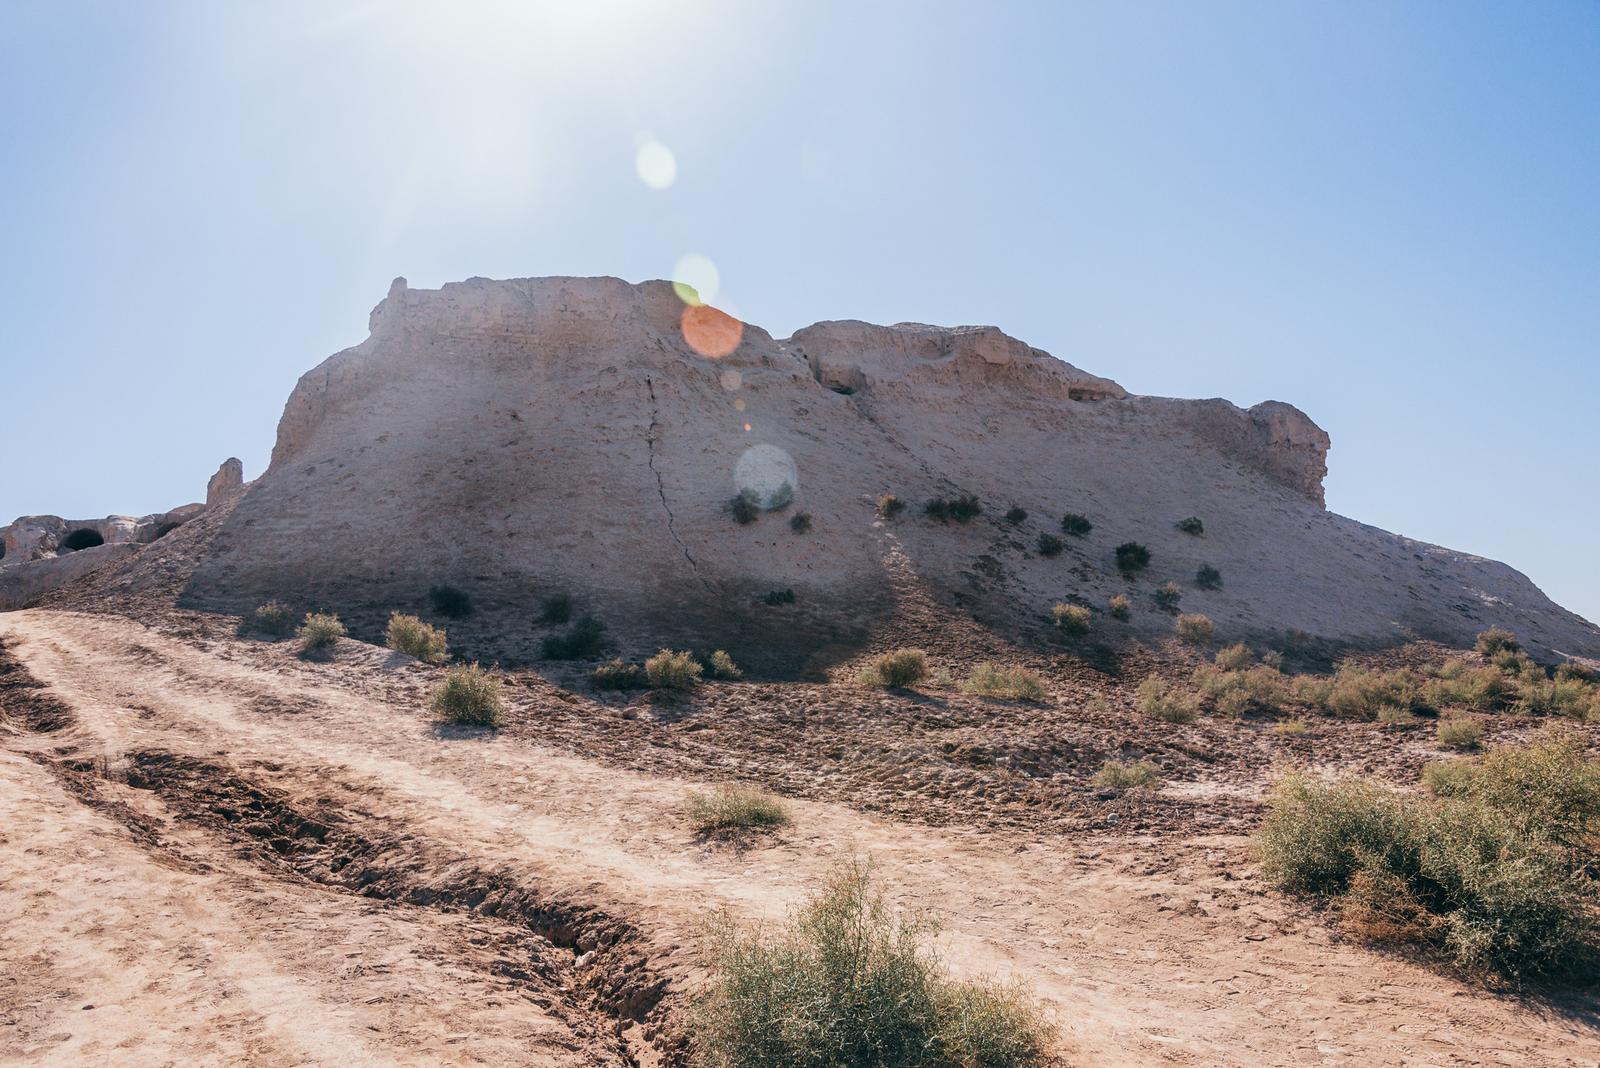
(237, 856)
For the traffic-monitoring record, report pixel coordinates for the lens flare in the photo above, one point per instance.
(657, 166)
(767, 475)
(709, 331)
(731, 380)
(695, 279)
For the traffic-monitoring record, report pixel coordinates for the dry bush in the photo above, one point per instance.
(1120, 607)
(1127, 775)
(1165, 702)
(849, 981)
(555, 609)
(618, 674)
(1234, 657)
(995, 680)
(1497, 639)
(1571, 669)
(1076, 525)
(1291, 728)
(1460, 733)
(319, 631)
(583, 639)
(1361, 693)
(1049, 544)
(1071, 618)
(1459, 684)
(669, 670)
(1016, 514)
(468, 696)
(719, 665)
(274, 617)
(734, 807)
(413, 637)
(890, 506)
(450, 602)
(1195, 628)
(800, 522)
(896, 668)
(1191, 525)
(745, 508)
(1541, 696)
(1168, 594)
(1256, 690)
(1208, 578)
(1132, 557)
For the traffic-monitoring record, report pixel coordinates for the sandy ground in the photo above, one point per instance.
(214, 852)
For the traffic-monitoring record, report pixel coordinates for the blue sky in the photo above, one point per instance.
(1386, 213)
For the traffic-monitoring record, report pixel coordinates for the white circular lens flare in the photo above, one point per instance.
(731, 380)
(657, 166)
(767, 475)
(695, 279)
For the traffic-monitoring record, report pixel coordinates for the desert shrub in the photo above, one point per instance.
(1459, 684)
(413, 637)
(1291, 728)
(1195, 628)
(1120, 607)
(899, 667)
(744, 508)
(669, 670)
(965, 508)
(995, 680)
(555, 609)
(82, 538)
(1132, 557)
(1547, 787)
(777, 597)
(1127, 775)
(719, 665)
(1252, 690)
(274, 617)
(1168, 594)
(1447, 778)
(1460, 733)
(1362, 693)
(319, 631)
(618, 674)
(468, 696)
(848, 981)
(1497, 639)
(733, 808)
(937, 508)
(800, 522)
(1234, 657)
(1574, 670)
(1050, 545)
(1016, 514)
(1208, 578)
(450, 602)
(1541, 696)
(1191, 525)
(890, 506)
(1076, 525)
(1071, 618)
(1470, 872)
(1272, 659)
(585, 638)
(1165, 702)
(1515, 662)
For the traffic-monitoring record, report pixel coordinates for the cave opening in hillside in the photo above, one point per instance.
(82, 538)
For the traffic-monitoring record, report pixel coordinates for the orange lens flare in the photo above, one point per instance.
(710, 332)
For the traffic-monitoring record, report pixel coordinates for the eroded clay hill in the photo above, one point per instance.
(528, 437)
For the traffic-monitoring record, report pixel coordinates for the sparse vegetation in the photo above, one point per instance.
(450, 602)
(413, 637)
(1459, 684)
(81, 538)
(1291, 728)
(1132, 557)
(319, 631)
(800, 522)
(777, 597)
(1127, 775)
(1497, 640)
(1049, 544)
(995, 680)
(719, 665)
(468, 696)
(669, 670)
(1191, 525)
(1234, 657)
(1208, 578)
(850, 982)
(1076, 525)
(1485, 871)
(734, 808)
(890, 506)
(1120, 607)
(618, 674)
(897, 668)
(962, 509)
(585, 638)
(555, 609)
(1360, 693)
(744, 508)
(1016, 515)
(1460, 733)
(274, 617)
(1538, 695)
(1161, 699)
(1071, 618)
(1195, 628)
(1168, 594)
(1246, 691)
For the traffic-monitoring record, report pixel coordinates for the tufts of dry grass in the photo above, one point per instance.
(734, 808)
(1127, 775)
(1195, 628)
(996, 680)
(319, 631)
(669, 670)
(1071, 618)
(413, 637)
(896, 668)
(469, 696)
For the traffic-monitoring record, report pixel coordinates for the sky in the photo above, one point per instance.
(1385, 213)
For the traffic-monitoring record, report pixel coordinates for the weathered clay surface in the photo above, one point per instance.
(25, 583)
(527, 437)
